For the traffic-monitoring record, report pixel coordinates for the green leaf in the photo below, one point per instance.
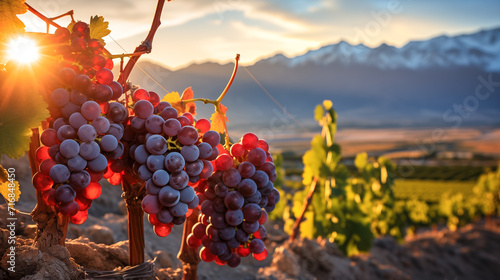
(21, 108)
(318, 113)
(361, 161)
(99, 28)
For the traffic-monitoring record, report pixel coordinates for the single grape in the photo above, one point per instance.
(140, 94)
(217, 248)
(256, 246)
(174, 162)
(101, 125)
(224, 162)
(154, 98)
(261, 178)
(76, 120)
(249, 141)
(211, 137)
(89, 150)
(250, 227)
(91, 110)
(179, 209)
(205, 150)
(237, 150)
(143, 109)
(231, 177)
(179, 180)
(117, 90)
(66, 132)
(251, 212)
(190, 153)
(77, 163)
(154, 124)
(246, 169)
(184, 121)
(59, 173)
(207, 207)
(79, 180)
(104, 76)
(151, 188)
(257, 156)
(115, 130)
(141, 154)
(247, 187)
(65, 194)
(156, 163)
(78, 97)
(157, 145)
(68, 209)
(234, 217)
(194, 168)
(117, 112)
(108, 143)
(58, 123)
(59, 97)
(81, 82)
(69, 109)
(98, 164)
(187, 135)
(160, 177)
(144, 173)
(203, 125)
(151, 204)
(42, 182)
(169, 196)
(187, 195)
(164, 216)
(69, 148)
(234, 200)
(86, 133)
(169, 113)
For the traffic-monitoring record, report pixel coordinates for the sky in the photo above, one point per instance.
(215, 30)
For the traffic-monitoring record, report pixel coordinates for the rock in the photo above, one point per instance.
(163, 259)
(123, 207)
(98, 256)
(30, 231)
(25, 260)
(100, 234)
(285, 261)
(74, 232)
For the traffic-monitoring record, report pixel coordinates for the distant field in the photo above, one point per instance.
(430, 190)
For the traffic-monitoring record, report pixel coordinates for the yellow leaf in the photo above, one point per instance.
(9, 188)
(175, 101)
(99, 28)
(219, 119)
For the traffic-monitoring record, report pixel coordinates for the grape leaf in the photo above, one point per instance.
(21, 108)
(4, 186)
(99, 28)
(175, 101)
(219, 119)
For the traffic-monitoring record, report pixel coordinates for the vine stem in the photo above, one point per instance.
(47, 20)
(307, 201)
(218, 101)
(189, 256)
(144, 47)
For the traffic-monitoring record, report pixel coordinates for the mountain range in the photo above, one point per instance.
(440, 82)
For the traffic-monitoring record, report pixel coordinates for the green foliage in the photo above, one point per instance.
(487, 190)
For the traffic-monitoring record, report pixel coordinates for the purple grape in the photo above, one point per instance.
(194, 168)
(143, 109)
(194, 203)
(76, 120)
(59, 173)
(157, 145)
(116, 153)
(152, 188)
(273, 197)
(77, 97)
(234, 261)
(69, 148)
(187, 195)
(221, 190)
(242, 236)
(187, 135)
(156, 163)
(261, 178)
(205, 150)
(144, 173)
(164, 216)
(199, 230)
(255, 198)
(98, 164)
(108, 143)
(101, 125)
(169, 113)
(57, 124)
(190, 153)
(234, 217)
(66, 132)
(257, 246)
(231, 177)
(246, 169)
(115, 130)
(257, 156)
(174, 162)
(207, 207)
(179, 210)
(247, 187)
(91, 110)
(89, 150)
(76, 163)
(79, 180)
(169, 196)
(250, 227)
(251, 212)
(117, 112)
(86, 132)
(150, 204)
(179, 180)
(211, 137)
(161, 178)
(217, 248)
(141, 154)
(59, 97)
(69, 108)
(138, 124)
(154, 124)
(234, 200)
(65, 194)
(227, 233)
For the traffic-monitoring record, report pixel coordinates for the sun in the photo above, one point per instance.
(23, 50)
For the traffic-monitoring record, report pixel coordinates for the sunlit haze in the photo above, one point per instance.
(23, 50)
(214, 30)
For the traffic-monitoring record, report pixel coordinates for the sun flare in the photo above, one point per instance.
(23, 50)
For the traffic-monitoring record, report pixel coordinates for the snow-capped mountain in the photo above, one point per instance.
(481, 49)
(422, 83)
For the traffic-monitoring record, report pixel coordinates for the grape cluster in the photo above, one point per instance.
(169, 152)
(82, 142)
(237, 197)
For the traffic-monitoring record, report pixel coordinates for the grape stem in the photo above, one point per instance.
(48, 21)
(219, 100)
(144, 47)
